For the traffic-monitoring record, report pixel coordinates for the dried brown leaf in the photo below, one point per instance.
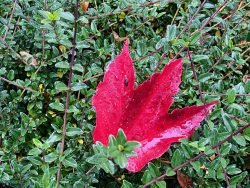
(184, 180)
(26, 56)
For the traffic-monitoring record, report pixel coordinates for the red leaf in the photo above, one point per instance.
(143, 112)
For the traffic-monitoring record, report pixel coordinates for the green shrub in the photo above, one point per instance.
(33, 94)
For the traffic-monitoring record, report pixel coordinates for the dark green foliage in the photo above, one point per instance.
(32, 98)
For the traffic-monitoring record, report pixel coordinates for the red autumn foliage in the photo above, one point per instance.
(142, 112)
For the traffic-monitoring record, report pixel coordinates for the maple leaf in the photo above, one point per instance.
(142, 112)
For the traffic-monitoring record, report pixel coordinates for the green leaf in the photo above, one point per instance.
(153, 170)
(161, 43)
(246, 133)
(198, 58)
(131, 145)
(54, 137)
(171, 32)
(2, 71)
(11, 75)
(231, 95)
(205, 77)
(141, 49)
(232, 170)
(170, 172)
(35, 151)
(78, 86)
(209, 150)
(177, 158)
(26, 168)
(83, 19)
(73, 131)
(57, 106)
(121, 160)
(240, 140)
(121, 137)
(70, 162)
(194, 38)
(223, 162)
(51, 157)
(102, 162)
(62, 65)
(67, 16)
(45, 14)
(53, 16)
(78, 67)
(177, 42)
(46, 178)
(227, 122)
(237, 179)
(196, 165)
(126, 184)
(35, 160)
(161, 184)
(225, 149)
(37, 143)
(60, 86)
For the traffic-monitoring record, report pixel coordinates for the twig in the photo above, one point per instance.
(67, 95)
(183, 48)
(199, 155)
(223, 169)
(242, 44)
(90, 170)
(247, 50)
(149, 54)
(43, 32)
(95, 76)
(223, 94)
(191, 19)
(9, 47)
(195, 77)
(11, 15)
(217, 62)
(17, 85)
(160, 61)
(212, 16)
(230, 15)
(125, 10)
(176, 12)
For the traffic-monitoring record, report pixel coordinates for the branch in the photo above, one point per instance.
(224, 94)
(191, 19)
(12, 13)
(9, 47)
(212, 16)
(67, 96)
(217, 62)
(17, 85)
(43, 32)
(195, 77)
(199, 155)
(223, 169)
(125, 10)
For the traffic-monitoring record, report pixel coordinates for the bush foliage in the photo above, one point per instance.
(33, 88)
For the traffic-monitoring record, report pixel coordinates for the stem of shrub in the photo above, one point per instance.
(67, 95)
(198, 156)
